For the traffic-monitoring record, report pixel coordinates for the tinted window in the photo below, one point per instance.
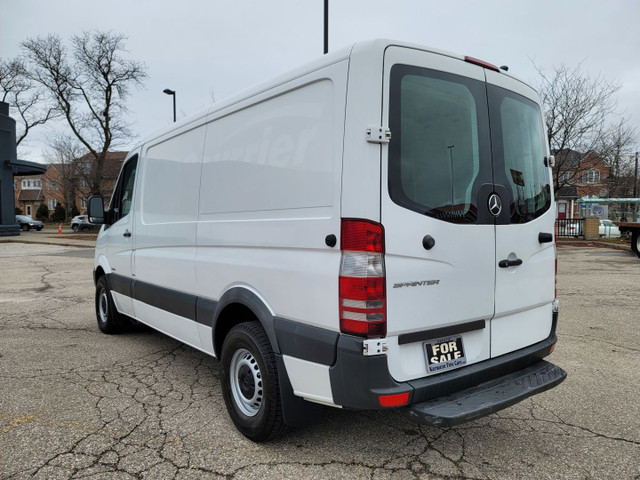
(123, 195)
(439, 153)
(518, 151)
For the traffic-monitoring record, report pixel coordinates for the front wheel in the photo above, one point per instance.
(250, 384)
(25, 228)
(109, 319)
(75, 228)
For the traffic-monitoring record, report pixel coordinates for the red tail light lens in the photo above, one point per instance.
(394, 400)
(362, 236)
(555, 281)
(362, 279)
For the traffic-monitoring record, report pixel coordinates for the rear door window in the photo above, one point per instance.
(518, 153)
(440, 153)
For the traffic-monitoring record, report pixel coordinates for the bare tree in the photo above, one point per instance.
(582, 118)
(616, 148)
(24, 97)
(62, 153)
(89, 85)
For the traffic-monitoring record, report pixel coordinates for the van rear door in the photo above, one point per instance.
(454, 207)
(439, 235)
(525, 260)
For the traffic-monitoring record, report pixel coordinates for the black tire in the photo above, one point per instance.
(250, 384)
(110, 321)
(635, 242)
(25, 227)
(75, 228)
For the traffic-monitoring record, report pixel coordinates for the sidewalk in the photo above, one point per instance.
(49, 237)
(577, 242)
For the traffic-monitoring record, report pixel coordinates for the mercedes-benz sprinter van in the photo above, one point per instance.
(373, 230)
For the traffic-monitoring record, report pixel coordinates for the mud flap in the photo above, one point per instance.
(488, 397)
(296, 411)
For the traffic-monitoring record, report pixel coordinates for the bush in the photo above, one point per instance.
(18, 211)
(42, 213)
(59, 213)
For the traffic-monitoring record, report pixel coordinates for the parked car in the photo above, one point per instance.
(27, 223)
(608, 229)
(81, 222)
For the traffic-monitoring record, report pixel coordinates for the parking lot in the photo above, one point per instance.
(75, 403)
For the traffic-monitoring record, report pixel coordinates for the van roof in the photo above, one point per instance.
(376, 46)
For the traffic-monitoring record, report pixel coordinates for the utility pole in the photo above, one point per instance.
(635, 190)
(326, 26)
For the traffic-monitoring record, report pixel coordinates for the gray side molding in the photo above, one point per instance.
(251, 301)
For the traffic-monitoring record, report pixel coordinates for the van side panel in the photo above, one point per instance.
(165, 229)
(270, 196)
(361, 174)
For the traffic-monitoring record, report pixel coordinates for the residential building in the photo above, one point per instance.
(65, 184)
(581, 175)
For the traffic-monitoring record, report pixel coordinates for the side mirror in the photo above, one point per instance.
(95, 210)
(550, 161)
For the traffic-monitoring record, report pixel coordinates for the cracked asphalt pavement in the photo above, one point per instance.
(75, 403)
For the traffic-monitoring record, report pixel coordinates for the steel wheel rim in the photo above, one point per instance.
(246, 382)
(103, 306)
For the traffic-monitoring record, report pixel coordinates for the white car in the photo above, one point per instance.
(80, 222)
(608, 229)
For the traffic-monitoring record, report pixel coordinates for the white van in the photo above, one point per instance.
(373, 230)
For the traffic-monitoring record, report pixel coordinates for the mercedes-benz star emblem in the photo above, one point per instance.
(495, 204)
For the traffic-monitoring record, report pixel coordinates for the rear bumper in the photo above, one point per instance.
(358, 381)
(488, 397)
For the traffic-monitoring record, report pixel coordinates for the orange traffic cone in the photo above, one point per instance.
(60, 229)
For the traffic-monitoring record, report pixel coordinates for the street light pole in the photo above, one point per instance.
(326, 26)
(635, 189)
(173, 94)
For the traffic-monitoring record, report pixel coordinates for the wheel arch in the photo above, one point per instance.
(237, 305)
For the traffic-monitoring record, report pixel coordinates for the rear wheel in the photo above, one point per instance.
(250, 383)
(109, 319)
(25, 228)
(75, 228)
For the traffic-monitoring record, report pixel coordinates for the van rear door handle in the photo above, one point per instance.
(126, 233)
(509, 263)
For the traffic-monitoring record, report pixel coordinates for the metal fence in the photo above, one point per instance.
(569, 227)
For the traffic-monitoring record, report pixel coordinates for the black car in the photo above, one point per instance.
(27, 223)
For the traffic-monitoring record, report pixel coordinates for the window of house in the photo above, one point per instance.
(52, 204)
(591, 176)
(566, 177)
(83, 203)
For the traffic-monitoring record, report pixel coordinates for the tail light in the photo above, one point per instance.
(555, 289)
(362, 293)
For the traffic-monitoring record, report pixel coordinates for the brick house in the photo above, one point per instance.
(581, 175)
(62, 180)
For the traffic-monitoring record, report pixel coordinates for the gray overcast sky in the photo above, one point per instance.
(205, 48)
